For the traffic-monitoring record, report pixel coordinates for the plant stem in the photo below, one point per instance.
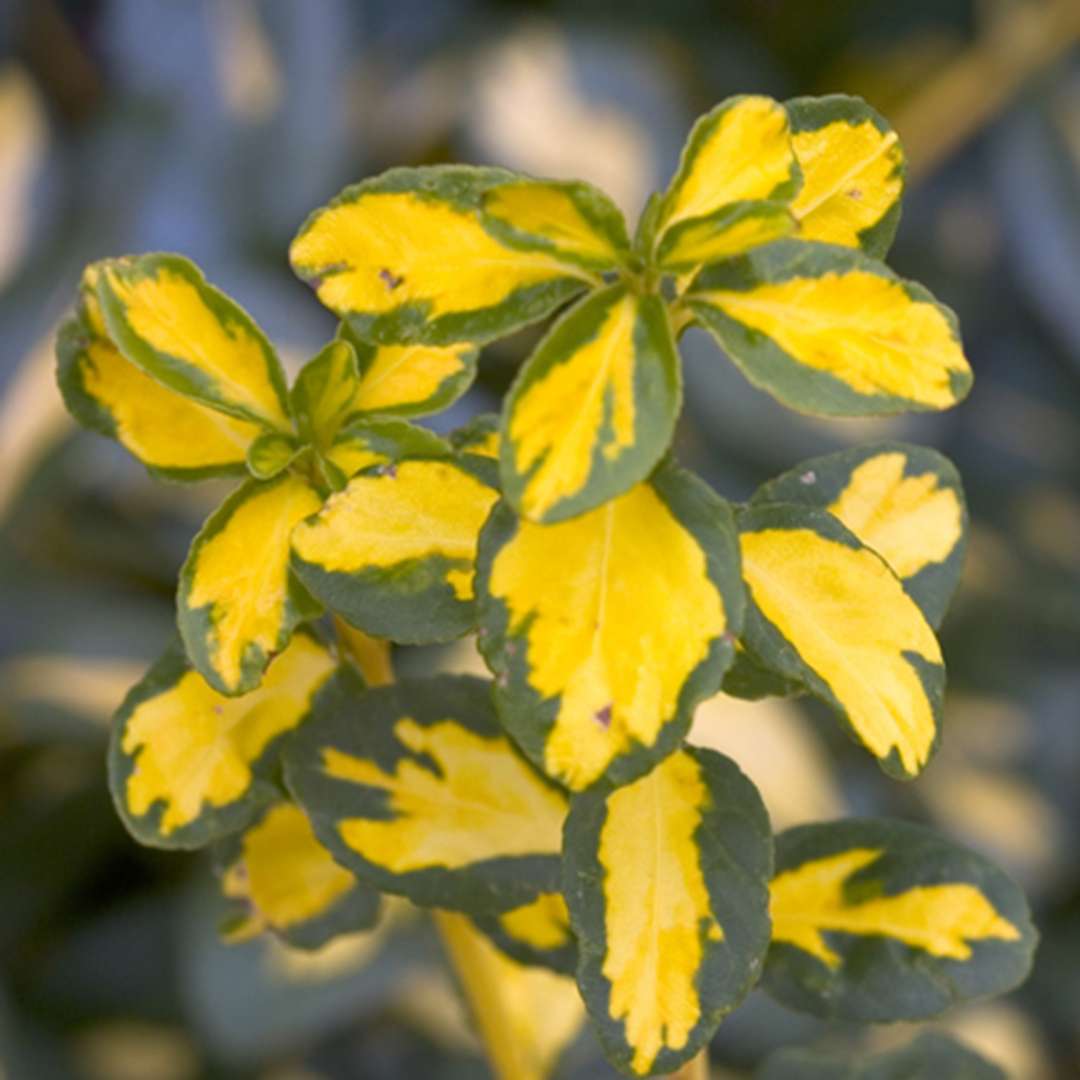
(473, 969)
(479, 982)
(371, 654)
(695, 1069)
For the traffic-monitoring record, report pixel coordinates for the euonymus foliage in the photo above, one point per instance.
(611, 590)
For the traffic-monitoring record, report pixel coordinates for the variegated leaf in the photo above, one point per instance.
(828, 330)
(535, 933)
(188, 765)
(883, 920)
(828, 612)
(594, 407)
(427, 797)
(606, 630)
(667, 883)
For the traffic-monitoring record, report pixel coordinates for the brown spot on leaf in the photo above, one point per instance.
(855, 193)
(603, 716)
(390, 279)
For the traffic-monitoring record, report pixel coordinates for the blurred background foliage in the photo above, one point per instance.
(212, 127)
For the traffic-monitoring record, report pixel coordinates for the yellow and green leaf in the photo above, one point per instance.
(238, 601)
(883, 920)
(411, 379)
(166, 318)
(536, 933)
(479, 437)
(906, 502)
(666, 879)
(739, 152)
(188, 765)
(606, 630)
(828, 330)
(279, 878)
(594, 407)
(732, 230)
(378, 440)
(427, 798)
(931, 1055)
(174, 437)
(407, 257)
(271, 454)
(322, 395)
(853, 172)
(394, 552)
(828, 612)
(570, 219)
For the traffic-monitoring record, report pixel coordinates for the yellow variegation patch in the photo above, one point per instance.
(720, 237)
(192, 749)
(941, 919)
(910, 521)
(168, 313)
(852, 177)
(657, 912)
(236, 597)
(480, 802)
(542, 925)
(853, 625)
(615, 634)
(284, 873)
(161, 428)
(862, 328)
(741, 151)
(385, 249)
(404, 377)
(547, 210)
(414, 510)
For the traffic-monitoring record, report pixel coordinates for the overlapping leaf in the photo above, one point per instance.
(568, 218)
(172, 435)
(281, 879)
(163, 315)
(740, 152)
(238, 601)
(406, 257)
(826, 329)
(666, 881)
(480, 436)
(828, 612)
(853, 172)
(883, 920)
(394, 552)
(594, 407)
(322, 396)
(535, 933)
(905, 502)
(426, 797)
(607, 629)
(378, 440)
(187, 764)
(729, 231)
(932, 1055)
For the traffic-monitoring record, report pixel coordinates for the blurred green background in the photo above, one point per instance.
(212, 127)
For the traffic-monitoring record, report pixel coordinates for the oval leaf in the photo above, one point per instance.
(906, 502)
(281, 879)
(323, 393)
(188, 765)
(853, 172)
(394, 552)
(568, 218)
(594, 407)
(830, 331)
(535, 933)
(883, 920)
(666, 881)
(828, 612)
(173, 436)
(427, 797)
(932, 1055)
(165, 317)
(271, 454)
(606, 631)
(405, 257)
(410, 380)
(731, 230)
(238, 603)
(739, 151)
